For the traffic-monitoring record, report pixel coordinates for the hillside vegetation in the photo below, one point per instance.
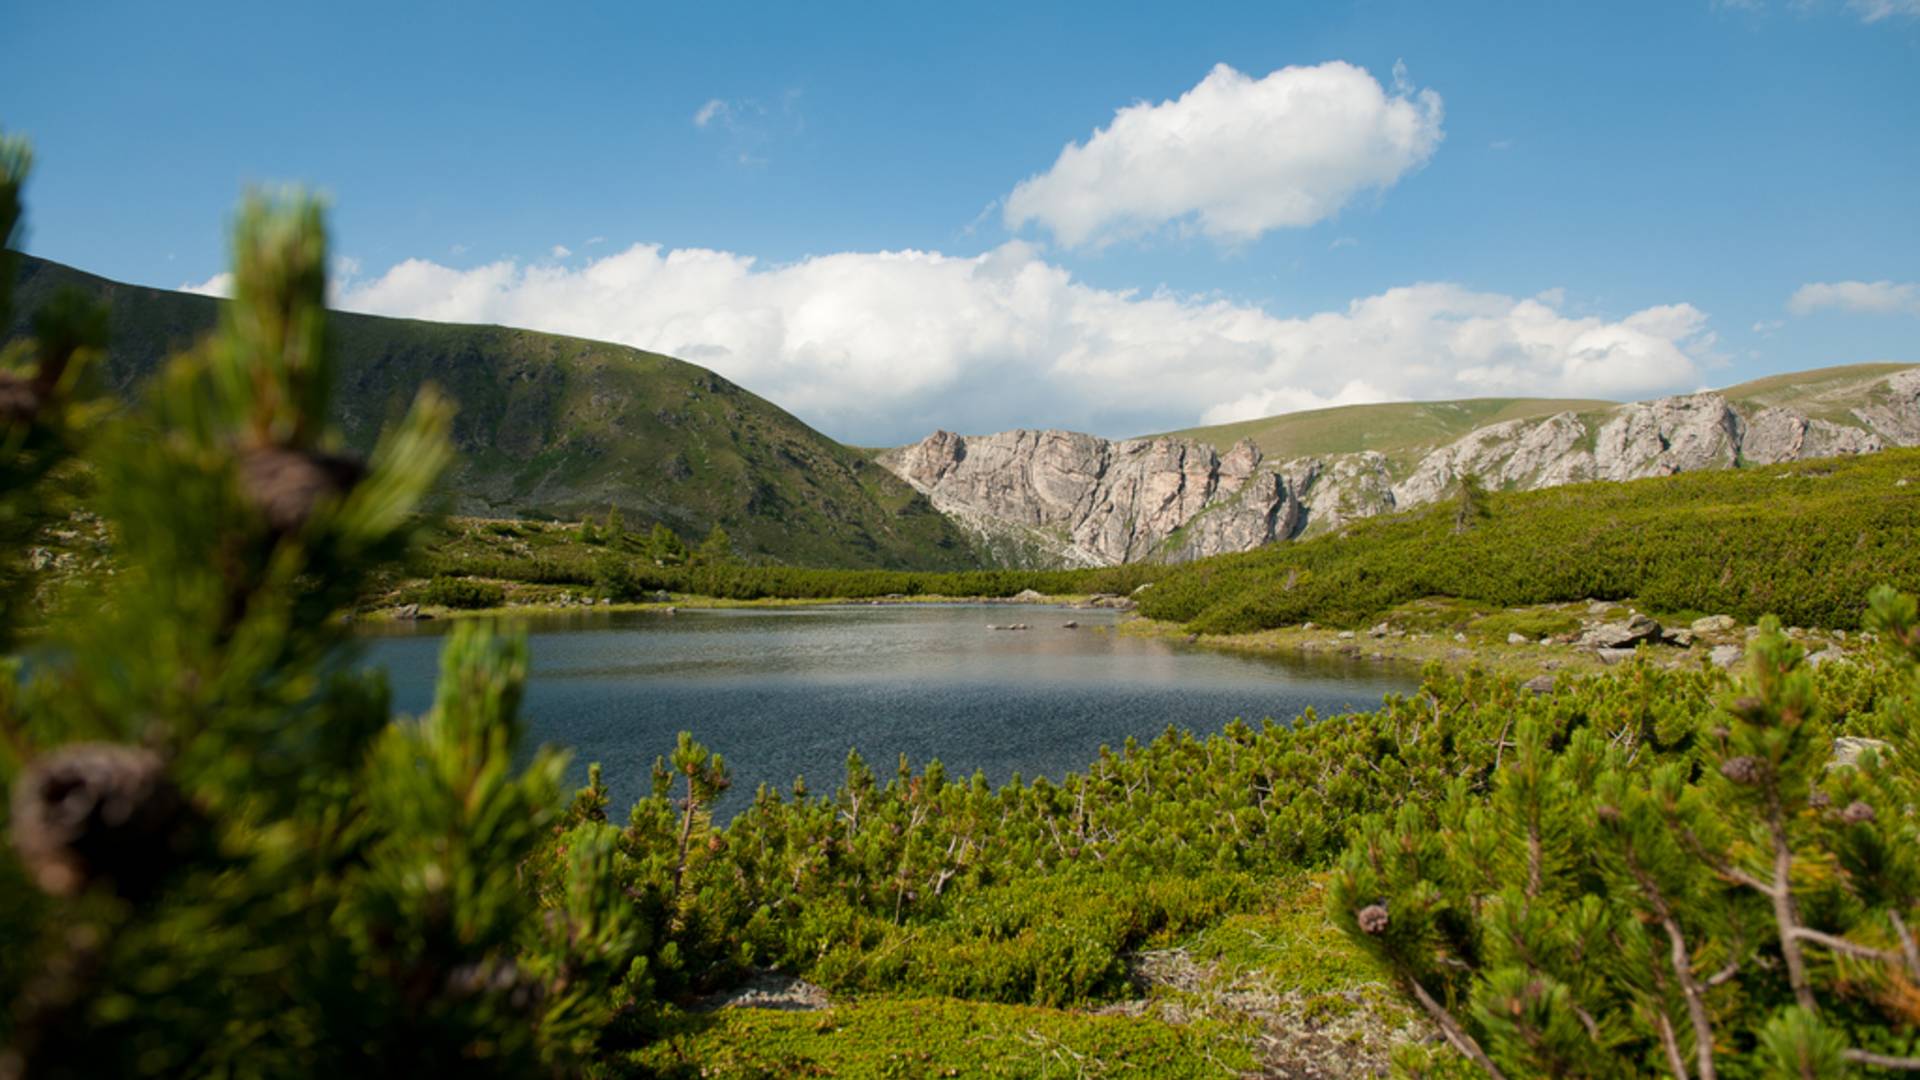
(1403, 431)
(1400, 430)
(227, 857)
(551, 426)
(1806, 541)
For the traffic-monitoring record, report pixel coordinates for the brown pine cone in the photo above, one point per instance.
(91, 812)
(19, 399)
(1373, 919)
(285, 485)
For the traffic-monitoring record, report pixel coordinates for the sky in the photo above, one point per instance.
(1117, 218)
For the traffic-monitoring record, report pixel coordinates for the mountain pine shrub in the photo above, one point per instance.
(1733, 893)
(226, 857)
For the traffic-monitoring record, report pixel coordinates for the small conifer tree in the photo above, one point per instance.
(224, 857)
(1745, 906)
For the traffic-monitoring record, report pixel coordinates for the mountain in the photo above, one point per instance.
(563, 427)
(1054, 497)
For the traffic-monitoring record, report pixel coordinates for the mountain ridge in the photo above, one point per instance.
(1079, 500)
(553, 426)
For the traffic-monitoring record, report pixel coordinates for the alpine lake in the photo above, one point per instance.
(787, 692)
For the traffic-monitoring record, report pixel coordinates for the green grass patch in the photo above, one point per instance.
(1805, 541)
(893, 1037)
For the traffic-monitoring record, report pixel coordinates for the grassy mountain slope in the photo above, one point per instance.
(1806, 541)
(559, 426)
(1405, 430)
(1823, 393)
(1400, 430)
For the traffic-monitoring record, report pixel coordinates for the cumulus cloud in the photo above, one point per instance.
(883, 347)
(1235, 156)
(714, 109)
(561, 251)
(1869, 11)
(1864, 297)
(220, 284)
(1875, 10)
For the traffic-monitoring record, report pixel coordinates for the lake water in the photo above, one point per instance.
(783, 692)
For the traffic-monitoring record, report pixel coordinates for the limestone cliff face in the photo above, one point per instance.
(1056, 498)
(1040, 497)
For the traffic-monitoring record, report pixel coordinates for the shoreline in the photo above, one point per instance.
(1454, 634)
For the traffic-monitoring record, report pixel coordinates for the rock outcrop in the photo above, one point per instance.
(1057, 498)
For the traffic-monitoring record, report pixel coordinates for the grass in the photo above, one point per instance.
(1401, 430)
(1804, 541)
(938, 1037)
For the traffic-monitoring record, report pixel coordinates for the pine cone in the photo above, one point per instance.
(92, 812)
(1373, 919)
(285, 485)
(1741, 770)
(19, 399)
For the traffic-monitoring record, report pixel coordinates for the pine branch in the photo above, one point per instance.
(1907, 947)
(1842, 945)
(1450, 1028)
(1671, 1045)
(1682, 961)
(1881, 1061)
(1786, 913)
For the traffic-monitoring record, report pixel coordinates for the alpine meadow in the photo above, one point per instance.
(621, 569)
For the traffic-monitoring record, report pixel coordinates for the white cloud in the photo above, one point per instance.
(1866, 297)
(714, 109)
(561, 251)
(883, 347)
(1869, 11)
(220, 284)
(1235, 156)
(1875, 10)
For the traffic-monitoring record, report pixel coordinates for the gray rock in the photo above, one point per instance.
(1847, 750)
(1715, 624)
(1825, 656)
(1613, 656)
(407, 612)
(1679, 638)
(1029, 596)
(1070, 625)
(1776, 435)
(1539, 684)
(1725, 656)
(769, 990)
(1623, 635)
(1057, 498)
(1518, 639)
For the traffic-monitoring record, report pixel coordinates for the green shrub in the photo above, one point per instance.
(225, 857)
(1805, 542)
(463, 594)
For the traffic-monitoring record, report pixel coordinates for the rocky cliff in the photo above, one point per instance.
(1060, 498)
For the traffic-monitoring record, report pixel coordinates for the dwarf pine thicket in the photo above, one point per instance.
(226, 857)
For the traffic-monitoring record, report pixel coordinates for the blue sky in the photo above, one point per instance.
(819, 201)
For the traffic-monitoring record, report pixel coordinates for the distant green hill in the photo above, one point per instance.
(1401, 430)
(1805, 541)
(562, 427)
